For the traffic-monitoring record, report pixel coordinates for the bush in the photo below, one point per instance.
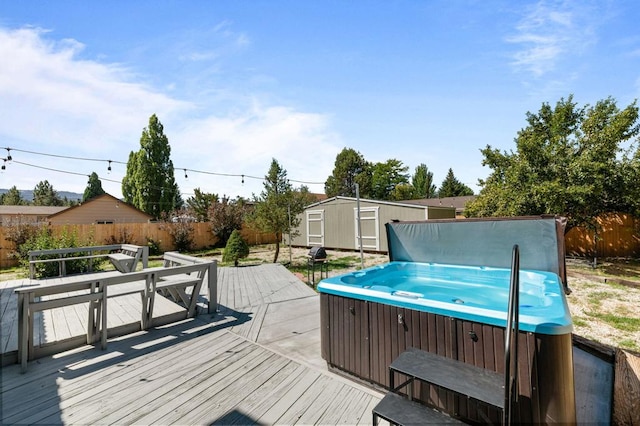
(236, 248)
(44, 239)
(154, 247)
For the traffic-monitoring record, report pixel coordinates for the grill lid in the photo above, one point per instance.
(317, 252)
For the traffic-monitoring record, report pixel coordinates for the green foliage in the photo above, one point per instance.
(570, 161)
(43, 239)
(149, 183)
(94, 187)
(386, 176)
(19, 233)
(278, 207)
(200, 203)
(225, 217)
(350, 168)
(422, 182)
(124, 236)
(12, 197)
(236, 248)
(180, 227)
(154, 247)
(452, 187)
(45, 195)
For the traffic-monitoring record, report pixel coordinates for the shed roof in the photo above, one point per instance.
(390, 203)
(458, 202)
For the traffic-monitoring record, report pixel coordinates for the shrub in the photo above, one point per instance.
(236, 248)
(154, 247)
(44, 239)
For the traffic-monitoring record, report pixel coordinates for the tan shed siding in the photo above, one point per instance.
(440, 213)
(101, 210)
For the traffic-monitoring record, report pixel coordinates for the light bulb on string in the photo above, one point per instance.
(3, 165)
(109, 167)
(8, 155)
(185, 174)
(243, 179)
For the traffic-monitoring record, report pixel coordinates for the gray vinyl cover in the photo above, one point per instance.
(481, 242)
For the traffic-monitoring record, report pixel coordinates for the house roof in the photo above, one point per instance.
(457, 202)
(98, 197)
(391, 203)
(31, 210)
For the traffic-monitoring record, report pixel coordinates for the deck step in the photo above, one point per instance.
(474, 382)
(402, 411)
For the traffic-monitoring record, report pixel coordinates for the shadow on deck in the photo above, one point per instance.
(256, 361)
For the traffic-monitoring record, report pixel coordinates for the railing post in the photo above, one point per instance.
(213, 287)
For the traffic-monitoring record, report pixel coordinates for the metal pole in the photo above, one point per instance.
(289, 214)
(359, 225)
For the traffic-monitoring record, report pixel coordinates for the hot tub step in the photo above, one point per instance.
(402, 411)
(466, 379)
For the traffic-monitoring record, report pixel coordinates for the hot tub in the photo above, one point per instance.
(370, 316)
(470, 293)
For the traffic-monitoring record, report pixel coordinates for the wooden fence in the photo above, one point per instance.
(133, 233)
(618, 236)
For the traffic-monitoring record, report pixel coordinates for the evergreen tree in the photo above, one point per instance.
(149, 183)
(235, 249)
(422, 182)
(12, 197)
(386, 176)
(45, 195)
(94, 188)
(452, 187)
(279, 205)
(200, 203)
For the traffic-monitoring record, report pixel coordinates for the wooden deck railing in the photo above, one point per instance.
(174, 280)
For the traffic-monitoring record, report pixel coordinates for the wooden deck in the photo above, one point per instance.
(257, 361)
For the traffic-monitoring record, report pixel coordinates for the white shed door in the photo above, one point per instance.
(315, 227)
(369, 228)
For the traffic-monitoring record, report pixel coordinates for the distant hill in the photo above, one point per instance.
(27, 194)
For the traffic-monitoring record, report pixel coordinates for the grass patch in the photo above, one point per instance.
(618, 322)
(580, 322)
(629, 344)
(595, 299)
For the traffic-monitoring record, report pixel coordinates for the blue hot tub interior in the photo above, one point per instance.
(471, 293)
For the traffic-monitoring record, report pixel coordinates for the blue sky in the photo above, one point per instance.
(237, 83)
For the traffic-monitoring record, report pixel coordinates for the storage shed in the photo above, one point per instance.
(332, 223)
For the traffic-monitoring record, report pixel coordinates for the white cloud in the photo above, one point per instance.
(551, 31)
(56, 102)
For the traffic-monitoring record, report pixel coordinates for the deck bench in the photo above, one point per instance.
(124, 257)
(182, 274)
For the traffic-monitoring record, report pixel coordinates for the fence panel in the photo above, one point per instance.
(133, 233)
(618, 236)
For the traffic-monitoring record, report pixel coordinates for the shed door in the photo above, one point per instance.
(369, 228)
(315, 227)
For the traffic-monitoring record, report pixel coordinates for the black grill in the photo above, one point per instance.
(317, 253)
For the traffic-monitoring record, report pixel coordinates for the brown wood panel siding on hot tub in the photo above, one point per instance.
(362, 338)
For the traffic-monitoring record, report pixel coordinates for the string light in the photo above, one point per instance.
(4, 160)
(9, 155)
(242, 176)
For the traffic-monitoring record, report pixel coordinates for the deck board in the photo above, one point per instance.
(256, 361)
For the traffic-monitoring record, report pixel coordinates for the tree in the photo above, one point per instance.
(12, 197)
(279, 205)
(200, 203)
(422, 182)
(45, 195)
(350, 168)
(225, 217)
(149, 183)
(235, 249)
(568, 161)
(94, 188)
(452, 187)
(386, 176)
